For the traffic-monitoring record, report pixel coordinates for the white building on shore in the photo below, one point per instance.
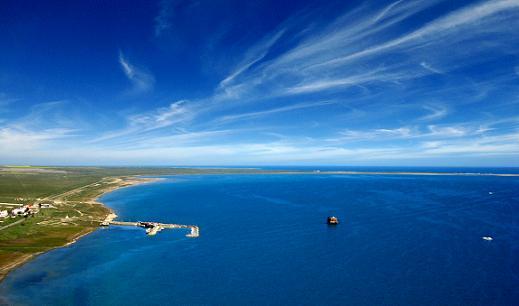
(20, 211)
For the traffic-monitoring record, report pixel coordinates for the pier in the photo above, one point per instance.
(152, 228)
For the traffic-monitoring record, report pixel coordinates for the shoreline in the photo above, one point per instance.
(134, 181)
(129, 181)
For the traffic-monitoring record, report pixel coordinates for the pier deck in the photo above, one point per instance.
(194, 233)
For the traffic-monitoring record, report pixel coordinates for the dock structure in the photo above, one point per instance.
(123, 223)
(152, 228)
(195, 231)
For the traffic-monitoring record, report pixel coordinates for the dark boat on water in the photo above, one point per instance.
(332, 220)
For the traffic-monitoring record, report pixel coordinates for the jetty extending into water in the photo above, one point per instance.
(152, 228)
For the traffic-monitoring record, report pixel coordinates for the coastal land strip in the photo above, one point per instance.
(67, 206)
(68, 216)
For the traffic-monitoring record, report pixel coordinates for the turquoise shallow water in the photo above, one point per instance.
(412, 240)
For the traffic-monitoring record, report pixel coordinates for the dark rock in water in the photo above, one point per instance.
(333, 220)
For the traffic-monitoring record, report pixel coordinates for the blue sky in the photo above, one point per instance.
(409, 83)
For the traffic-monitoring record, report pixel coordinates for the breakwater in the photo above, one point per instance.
(153, 228)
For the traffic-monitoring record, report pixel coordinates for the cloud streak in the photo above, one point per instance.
(283, 109)
(16, 139)
(408, 80)
(162, 22)
(253, 56)
(141, 80)
(436, 112)
(176, 113)
(355, 51)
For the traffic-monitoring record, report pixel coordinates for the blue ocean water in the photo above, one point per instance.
(403, 240)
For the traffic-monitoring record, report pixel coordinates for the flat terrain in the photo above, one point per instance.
(70, 191)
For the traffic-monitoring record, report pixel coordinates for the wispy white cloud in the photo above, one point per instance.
(283, 109)
(16, 139)
(43, 125)
(362, 50)
(175, 139)
(366, 49)
(379, 74)
(141, 79)
(176, 113)
(46, 116)
(435, 112)
(290, 152)
(435, 30)
(350, 30)
(186, 149)
(448, 131)
(253, 55)
(408, 132)
(428, 66)
(161, 117)
(162, 20)
(401, 132)
(504, 144)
